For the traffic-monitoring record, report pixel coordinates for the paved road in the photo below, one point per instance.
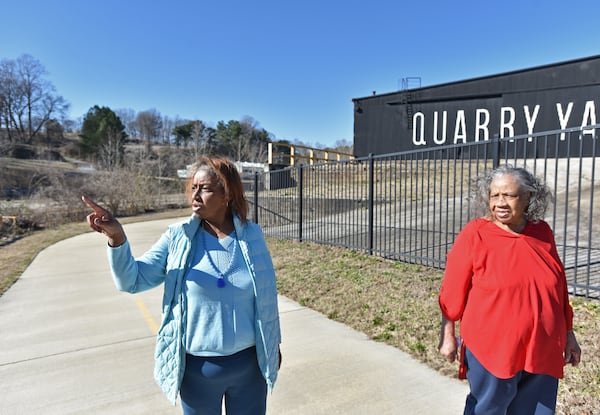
(71, 344)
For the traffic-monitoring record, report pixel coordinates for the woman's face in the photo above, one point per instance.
(508, 202)
(208, 197)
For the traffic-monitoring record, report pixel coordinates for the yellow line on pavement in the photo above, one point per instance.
(149, 320)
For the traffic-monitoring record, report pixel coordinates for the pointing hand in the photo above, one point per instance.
(101, 220)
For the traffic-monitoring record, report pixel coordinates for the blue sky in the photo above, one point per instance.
(293, 66)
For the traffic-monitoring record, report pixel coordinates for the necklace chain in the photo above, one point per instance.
(221, 279)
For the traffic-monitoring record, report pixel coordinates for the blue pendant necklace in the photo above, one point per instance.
(221, 278)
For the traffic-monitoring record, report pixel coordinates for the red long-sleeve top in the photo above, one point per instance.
(509, 292)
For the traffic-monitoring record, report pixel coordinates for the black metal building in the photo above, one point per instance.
(523, 102)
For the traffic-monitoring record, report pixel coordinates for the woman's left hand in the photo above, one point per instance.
(572, 350)
(448, 345)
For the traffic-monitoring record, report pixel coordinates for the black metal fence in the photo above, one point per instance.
(410, 206)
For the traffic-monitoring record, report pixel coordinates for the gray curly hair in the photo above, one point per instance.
(540, 199)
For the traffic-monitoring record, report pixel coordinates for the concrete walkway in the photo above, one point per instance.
(71, 344)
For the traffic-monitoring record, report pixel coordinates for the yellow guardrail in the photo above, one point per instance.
(314, 155)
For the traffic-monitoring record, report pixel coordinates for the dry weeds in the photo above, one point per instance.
(396, 303)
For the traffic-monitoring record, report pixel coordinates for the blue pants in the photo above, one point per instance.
(237, 378)
(523, 394)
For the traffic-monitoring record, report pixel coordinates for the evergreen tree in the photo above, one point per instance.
(103, 137)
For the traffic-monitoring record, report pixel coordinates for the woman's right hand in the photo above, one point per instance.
(102, 221)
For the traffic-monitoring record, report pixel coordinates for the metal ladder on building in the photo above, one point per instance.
(409, 84)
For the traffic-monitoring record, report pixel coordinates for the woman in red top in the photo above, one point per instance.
(505, 283)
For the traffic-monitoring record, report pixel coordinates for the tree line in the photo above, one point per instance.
(104, 136)
(32, 112)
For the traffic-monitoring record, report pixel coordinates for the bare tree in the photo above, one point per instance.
(27, 99)
(253, 141)
(128, 118)
(344, 146)
(149, 124)
(166, 129)
(199, 138)
(111, 150)
(10, 97)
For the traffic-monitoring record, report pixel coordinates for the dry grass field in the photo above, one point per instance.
(391, 302)
(396, 303)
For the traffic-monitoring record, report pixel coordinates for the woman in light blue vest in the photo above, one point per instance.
(220, 335)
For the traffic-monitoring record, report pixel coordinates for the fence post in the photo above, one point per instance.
(300, 198)
(256, 196)
(371, 203)
(495, 151)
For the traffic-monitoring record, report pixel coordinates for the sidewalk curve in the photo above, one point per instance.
(71, 343)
